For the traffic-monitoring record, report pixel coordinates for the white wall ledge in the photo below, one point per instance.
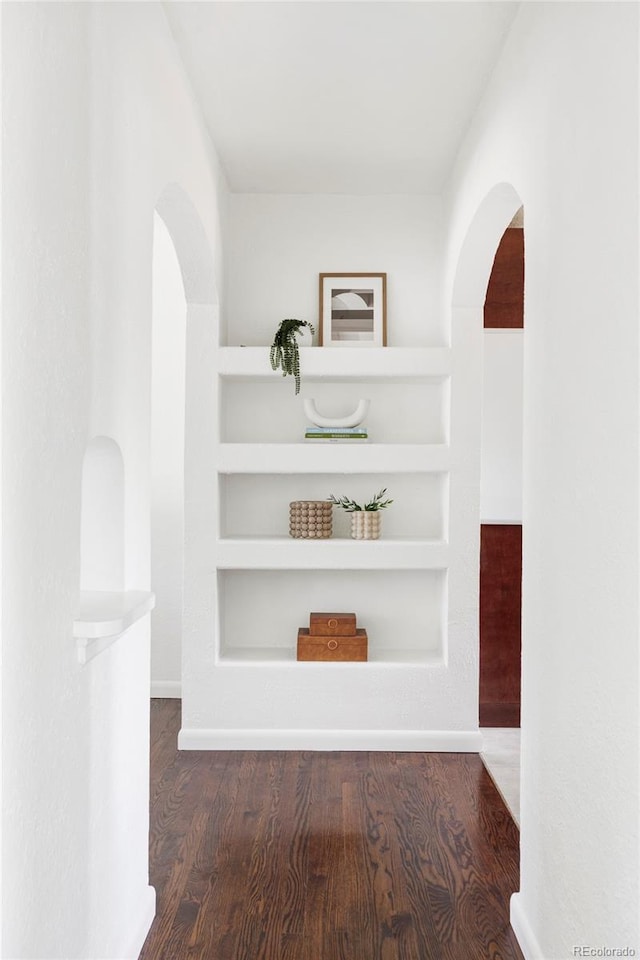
(103, 616)
(329, 458)
(355, 363)
(273, 553)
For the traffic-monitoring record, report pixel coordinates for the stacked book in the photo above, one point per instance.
(336, 434)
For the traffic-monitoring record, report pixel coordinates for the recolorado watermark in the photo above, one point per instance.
(583, 951)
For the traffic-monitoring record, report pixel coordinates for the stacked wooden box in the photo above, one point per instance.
(332, 637)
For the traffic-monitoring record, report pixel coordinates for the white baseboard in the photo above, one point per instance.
(166, 689)
(431, 741)
(146, 918)
(524, 935)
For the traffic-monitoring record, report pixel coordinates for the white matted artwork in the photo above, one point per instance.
(353, 310)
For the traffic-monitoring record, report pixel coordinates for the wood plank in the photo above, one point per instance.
(294, 855)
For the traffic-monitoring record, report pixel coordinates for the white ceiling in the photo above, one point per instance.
(314, 96)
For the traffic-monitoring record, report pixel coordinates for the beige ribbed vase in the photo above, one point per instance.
(366, 525)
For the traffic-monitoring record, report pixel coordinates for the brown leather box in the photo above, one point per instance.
(332, 624)
(336, 648)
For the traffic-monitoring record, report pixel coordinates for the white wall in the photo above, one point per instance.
(168, 368)
(46, 703)
(560, 123)
(501, 444)
(279, 244)
(1, 472)
(99, 119)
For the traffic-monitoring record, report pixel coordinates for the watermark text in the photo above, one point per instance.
(585, 951)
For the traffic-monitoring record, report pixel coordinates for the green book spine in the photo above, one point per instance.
(336, 436)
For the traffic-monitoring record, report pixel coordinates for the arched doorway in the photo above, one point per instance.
(168, 370)
(501, 484)
(184, 407)
(475, 266)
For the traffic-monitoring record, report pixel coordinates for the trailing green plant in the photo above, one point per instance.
(284, 349)
(376, 503)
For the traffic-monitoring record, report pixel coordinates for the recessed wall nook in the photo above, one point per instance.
(105, 608)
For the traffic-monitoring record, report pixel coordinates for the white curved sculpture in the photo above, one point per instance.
(351, 420)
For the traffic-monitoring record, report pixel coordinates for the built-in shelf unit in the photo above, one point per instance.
(397, 585)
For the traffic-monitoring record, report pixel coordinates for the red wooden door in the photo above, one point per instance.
(500, 619)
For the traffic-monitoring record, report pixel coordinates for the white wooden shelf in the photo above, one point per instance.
(279, 656)
(355, 363)
(103, 616)
(332, 458)
(284, 553)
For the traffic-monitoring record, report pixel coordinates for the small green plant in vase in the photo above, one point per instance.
(284, 352)
(365, 520)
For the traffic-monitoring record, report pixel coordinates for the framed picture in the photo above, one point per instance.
(353, 310)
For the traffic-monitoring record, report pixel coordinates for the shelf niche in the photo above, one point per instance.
(410, 411)
(102, 518)
(258, 505)
(404, 612)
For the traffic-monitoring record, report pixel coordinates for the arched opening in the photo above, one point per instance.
(500, 476)
(168, 371)
(105, 607)
(184, 342)
(501, 515)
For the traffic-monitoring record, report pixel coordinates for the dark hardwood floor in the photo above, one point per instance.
(326, 856)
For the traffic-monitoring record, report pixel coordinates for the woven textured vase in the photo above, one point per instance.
(310, 519)
(366, 525)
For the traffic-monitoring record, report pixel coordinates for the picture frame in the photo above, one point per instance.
(353, 310)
